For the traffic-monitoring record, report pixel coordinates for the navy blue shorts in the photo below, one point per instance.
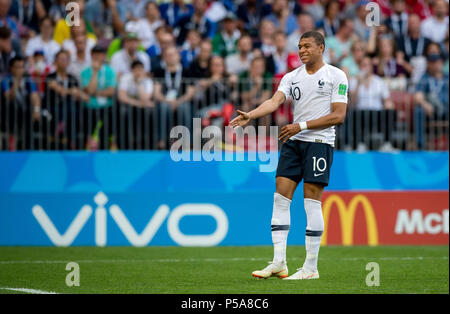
(309, 161)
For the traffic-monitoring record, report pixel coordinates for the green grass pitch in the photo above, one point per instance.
(222, 270)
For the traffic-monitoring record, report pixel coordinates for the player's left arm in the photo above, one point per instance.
(335, 117)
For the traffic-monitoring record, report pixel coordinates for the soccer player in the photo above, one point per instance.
(319, 94)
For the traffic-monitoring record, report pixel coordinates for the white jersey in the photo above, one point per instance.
(312, 96)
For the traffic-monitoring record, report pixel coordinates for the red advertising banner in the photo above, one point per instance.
(377, 218)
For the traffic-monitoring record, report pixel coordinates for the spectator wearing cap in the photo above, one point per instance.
(99, 82)
(27, 14)
(135, 93)
(107, 18)
(397, 22)
(121, 60)
(81, 59)
(63, 31)
(190, 48)
(9, 49)
(21, 100)
(7, 20)
(146, 26)
(240, 61)
(282, 17)
(225, 42)
(436, 27)
(197, 20)
(171, 12)
(174, 93)
(337, 47)
(330, 22)
(431, 97)
(305, 24)
(44, 42)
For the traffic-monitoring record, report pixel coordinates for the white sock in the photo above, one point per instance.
(281, 221)
(314, 230)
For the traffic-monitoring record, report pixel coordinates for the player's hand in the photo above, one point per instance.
(288, 130)
(242, 119)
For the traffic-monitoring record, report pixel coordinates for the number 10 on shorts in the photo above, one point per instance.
(319, 164)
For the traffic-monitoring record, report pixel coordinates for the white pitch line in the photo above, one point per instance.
(235, 259)
(26, 290)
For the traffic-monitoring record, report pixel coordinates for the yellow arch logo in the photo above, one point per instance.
(347, 217)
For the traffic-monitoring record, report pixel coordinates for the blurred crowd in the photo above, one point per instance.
(121, 73)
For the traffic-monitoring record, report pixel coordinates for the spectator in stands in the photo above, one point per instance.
(135, 96)
(255, 86)
(165, 39)
(397, 22)
(264, 42)
(64, 31)
(38, 69)
(374, 111)
(411, 47)
(61, 101)
(435, 27)
(330, 22)
(134, 9)
(225, 42)
(81, 59)
(27, 13)
(44, 42)
(200, 66)
(362, 30)
(121, 60)
(99, 82)
(147, 25)
(338, 46)
(250, 14)
(240, 61)
(350, 65)
(385, 63)
(313, 7)
(9, 49)
(172, 12)
(281, 16)
(107, 18)
(57, 10)
(216, 90)
(197, 20)
(174, 94)
(75, 31)
(190, 48)
(276, 63)
(305, 24)
(20, 99)
(432, 99)
(7, 20)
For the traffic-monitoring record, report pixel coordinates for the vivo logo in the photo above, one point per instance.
(135, 239)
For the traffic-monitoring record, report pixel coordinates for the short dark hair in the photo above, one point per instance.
(61, 51)
(5, 32)
(318, 37)
(136, 63)
(14, 60)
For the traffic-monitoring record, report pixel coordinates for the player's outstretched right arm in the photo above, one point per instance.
(265, 108)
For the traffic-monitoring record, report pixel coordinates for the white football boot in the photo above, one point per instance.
(273, 270)
(303, 274)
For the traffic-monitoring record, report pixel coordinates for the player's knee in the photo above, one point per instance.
(313, 191)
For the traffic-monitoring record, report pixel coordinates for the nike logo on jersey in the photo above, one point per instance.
(318, 174)
(295, 83)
